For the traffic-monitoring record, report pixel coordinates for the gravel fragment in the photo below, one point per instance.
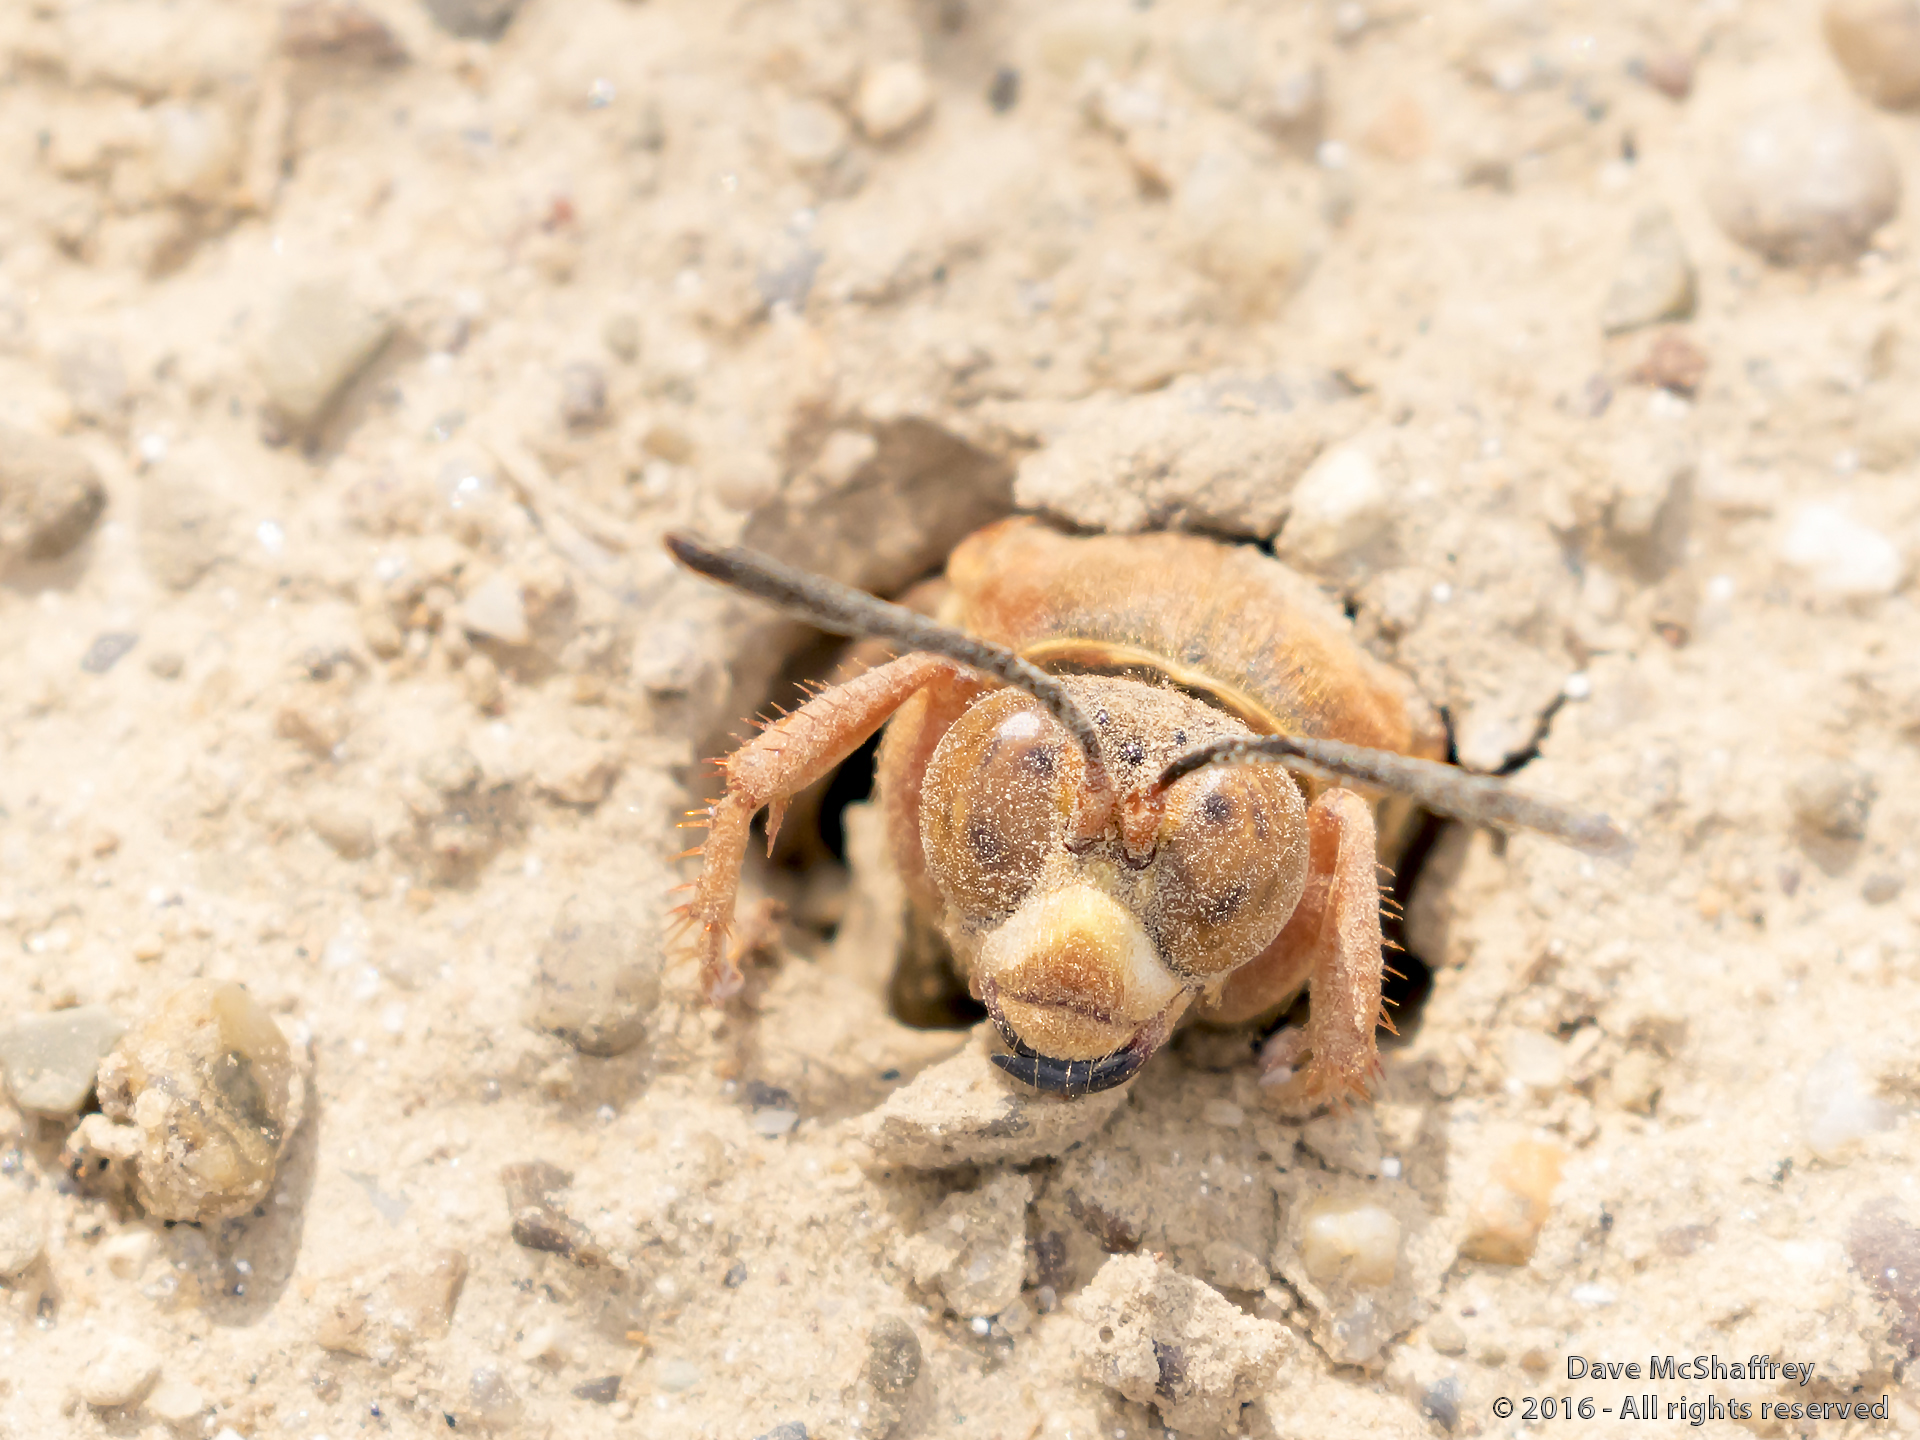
(177, 1402)
(50, 1060)
(1655, 280)
(1164, 1339)
(201, 1100)
(1003, 92)
(791, 1430)
(1877, 43)
(893, 1364)
(1294, 110)
(50, 497)
(319, 337)
(602, 1390)
(1802, 182)
(893, 98)
(1839, 556)
(810, 133)
(1838, 1108)
(473, 19)
(121, 1374)
(95, 379)
(1834, 798)
(583, 395)
(338, 30)
(345, 824)
(1216, 58)
(496, 609)
(106, 650)
(598, 979)
(1505, 1219)
(538, 1222)
(380, 1312)
(966, 1111)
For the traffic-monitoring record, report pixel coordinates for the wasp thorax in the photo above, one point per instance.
(1228, 869)
(999, 791)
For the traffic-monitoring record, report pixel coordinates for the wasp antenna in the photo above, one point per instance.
(1443, 789)
(842, 610)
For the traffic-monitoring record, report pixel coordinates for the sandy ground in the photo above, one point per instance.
(352, 362)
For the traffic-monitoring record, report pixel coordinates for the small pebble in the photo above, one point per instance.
(1882, 887)
(319, 336)
(1224, 1113)
(1441, 1402)
(583, 395)
(1216, 58)
(791, 1430)
(1877, 43)
(603, 1390)
(1505, 1219)
(177, 1402)
(49, 1060)
(1003, 93)
(598, 980)
(121, 1374)
(893, 1364)
(893, 98)
(1536, 1061)
(23, 1229)
(1802, 183)
(1635, 1082)
(50, 497)
(496, 609)
(106, 650)
(1670, 72)
(480, 677)
(810, 133)
(1350, 1241)
(676, 1374)
(1340, 506)
(473, 19)
(1834, 799)
(538, 1220)
(166, 664)
(195, 153)
(345, 825)
(1839, 556)
(1294, 110)
(1673, 363)
(1655, 280)
(620, 333)
(1838, 1108)
(95, 379)
(491, 1398)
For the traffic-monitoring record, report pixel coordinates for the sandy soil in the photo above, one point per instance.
(352, 361)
